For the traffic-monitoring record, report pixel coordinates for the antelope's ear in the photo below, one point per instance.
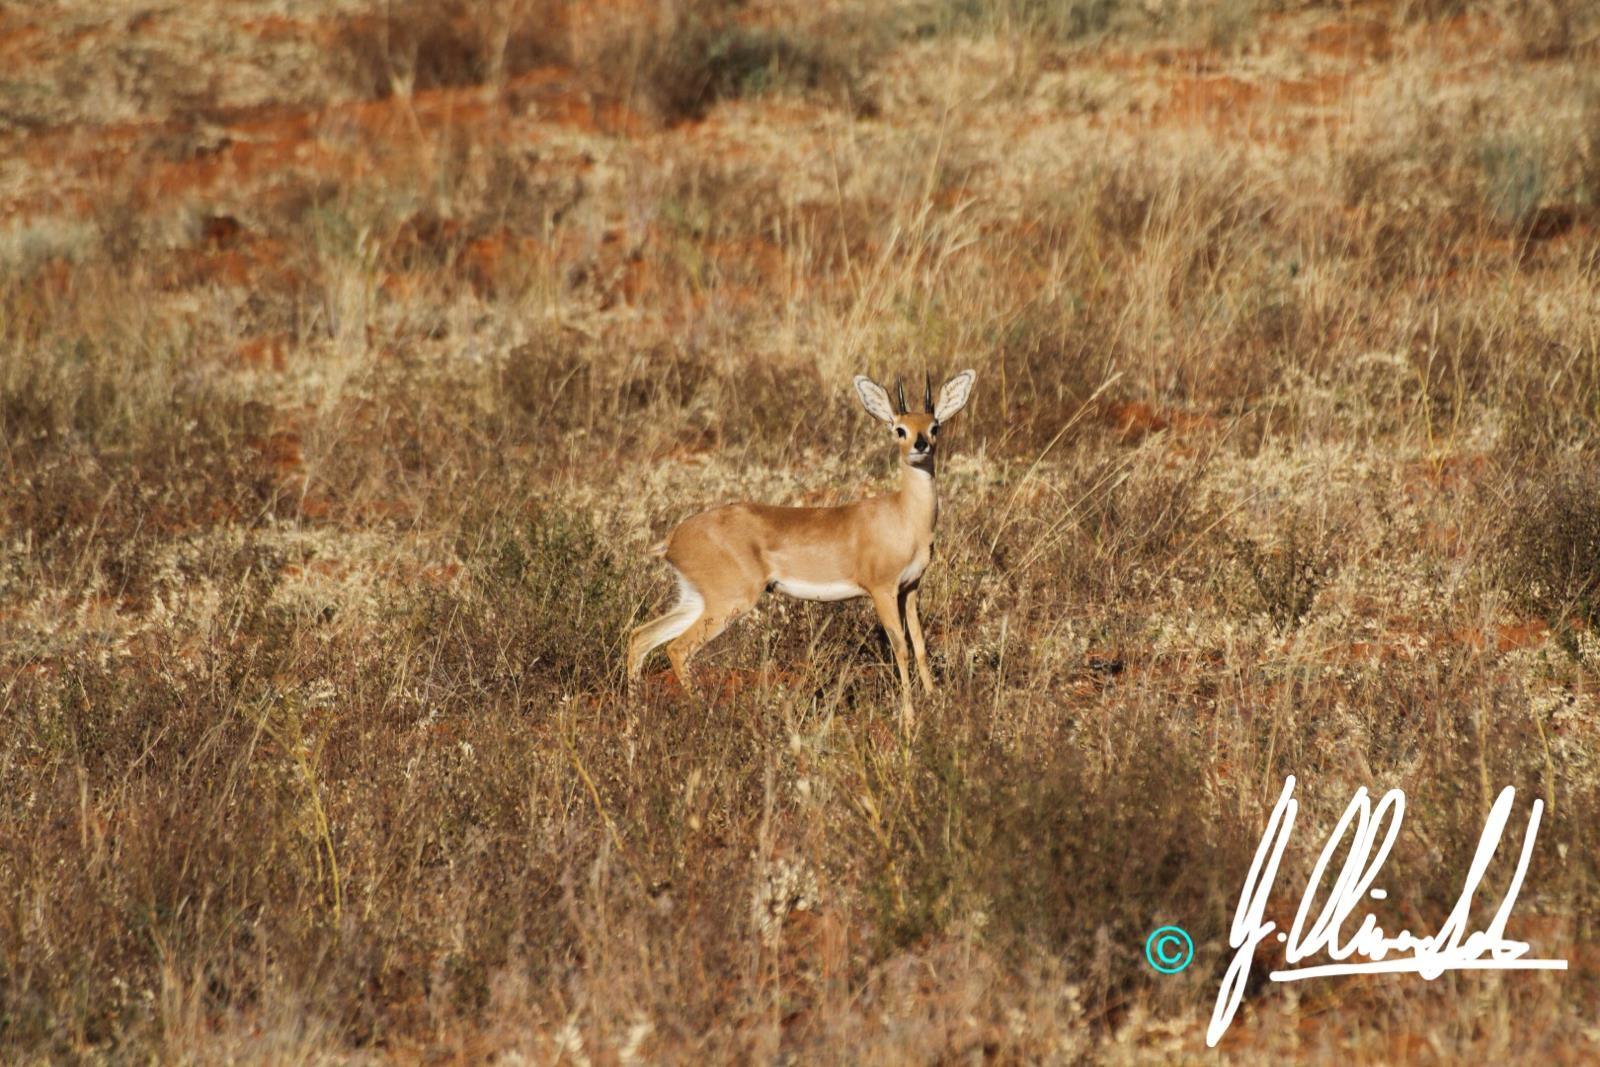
(953, 397)
(874, 398)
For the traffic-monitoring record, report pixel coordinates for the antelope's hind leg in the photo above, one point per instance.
(715, 619)
(683, 649)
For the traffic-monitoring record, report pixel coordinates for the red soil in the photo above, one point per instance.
(1135, 420)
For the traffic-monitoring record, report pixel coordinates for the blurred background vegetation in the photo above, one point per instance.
(351, 354)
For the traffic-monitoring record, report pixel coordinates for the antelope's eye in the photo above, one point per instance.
(934, 429)
(899, 431)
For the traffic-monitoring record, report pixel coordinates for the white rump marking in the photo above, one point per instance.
(688, 608)
(818, 590)
(682, 616)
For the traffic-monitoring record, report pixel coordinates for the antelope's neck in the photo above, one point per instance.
(918, 497)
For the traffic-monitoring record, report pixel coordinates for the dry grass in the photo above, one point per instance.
(350, 357)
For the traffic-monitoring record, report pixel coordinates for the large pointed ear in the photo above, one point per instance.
(953, 397)
(874, 398)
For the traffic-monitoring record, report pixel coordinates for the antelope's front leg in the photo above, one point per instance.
(908, 608)
(888, 605)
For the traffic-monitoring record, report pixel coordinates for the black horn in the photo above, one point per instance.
(927, 392)
(900, 392)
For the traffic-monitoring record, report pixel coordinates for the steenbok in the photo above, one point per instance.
(725, 558)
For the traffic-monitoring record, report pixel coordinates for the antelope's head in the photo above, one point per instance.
(917, 433)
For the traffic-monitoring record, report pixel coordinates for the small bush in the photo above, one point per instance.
(681, 68)
(430, 44)
(1552, 551)
(1551, 29)
(1220, 25)
(1589, 148)
(1050, 361)
(547, 600)
(1515, 177)
(1285, 577)
(1135, 522)
(1059, 20)
(106, 441)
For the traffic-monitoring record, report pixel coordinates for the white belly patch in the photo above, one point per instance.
(817, 590)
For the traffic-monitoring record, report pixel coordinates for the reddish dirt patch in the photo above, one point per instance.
(401, 285)
(1452, 472)
(264, 146)
(1399, 642)
(1216, 100)
(1525, 634)
(1319, 91)
(487, 259)
(1268, 111)
(1354, 39)
(730, 681)
(244, 149)
(723, 682)
(280, 450)
(262, 353)
(313, 505)
(756, 258)
(283, 28)
(19, 40)
(1135, 420)
(24, 42)
(439, 574)
(1196, 59)
(555, 95)
(242, 260)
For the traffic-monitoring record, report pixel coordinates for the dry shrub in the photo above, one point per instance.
(710, 201)
(1049, 363)
(1221, 25)
(110, 442)
(1426, 10)
(1199, 247)
(1286, 573)
(1133, 524)
(1059, 20)
(1037, 839)
(689, 56)
(1551, 563)
(1543, 380)
(1589, 148)
(1514, 174)
(549, 383)
(668, 397)
(430, 44)
(551, 600)
(1550, 29)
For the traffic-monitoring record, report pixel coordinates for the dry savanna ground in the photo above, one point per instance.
(352, 353)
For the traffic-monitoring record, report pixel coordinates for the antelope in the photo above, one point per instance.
(726, 557)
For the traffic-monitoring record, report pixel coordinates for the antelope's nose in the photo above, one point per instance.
(921, 444)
